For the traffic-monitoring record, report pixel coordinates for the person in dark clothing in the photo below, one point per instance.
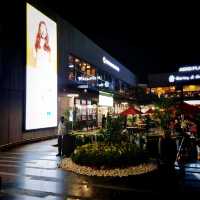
(167, 173)
(103, 121)
(167, 151)
(61, 131)
(188, 150)
(178, 133)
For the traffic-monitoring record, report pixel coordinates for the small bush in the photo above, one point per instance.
(87, 139)
(108, 156)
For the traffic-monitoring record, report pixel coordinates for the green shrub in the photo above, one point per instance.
(87, 139)
(108, 156)
(114, 129)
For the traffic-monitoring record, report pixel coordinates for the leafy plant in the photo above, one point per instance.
(130, 120)
(108, 156)
(165, 119)
(114, 129)
(163, 114)
(166, 103)
(66, 114)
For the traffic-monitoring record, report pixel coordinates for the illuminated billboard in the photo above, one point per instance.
(41, 70)
(105, 99)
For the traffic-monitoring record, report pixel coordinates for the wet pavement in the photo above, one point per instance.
(31, 172)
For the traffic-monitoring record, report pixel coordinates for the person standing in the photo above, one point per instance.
(193, 129)
(167, 151)
(61, 131)
(178, 132)
(103, 121)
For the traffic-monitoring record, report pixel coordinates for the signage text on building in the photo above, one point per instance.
(109, 63)
(189, 68)
(174, 78)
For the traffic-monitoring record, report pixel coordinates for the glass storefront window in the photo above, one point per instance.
(71, 69)
(105, 81)
(86, 113)
(81, 71)
(191, 88)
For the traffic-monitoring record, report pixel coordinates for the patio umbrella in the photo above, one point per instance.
(187, 109)
(130, 111)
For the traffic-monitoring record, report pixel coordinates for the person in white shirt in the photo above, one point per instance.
(61, 131)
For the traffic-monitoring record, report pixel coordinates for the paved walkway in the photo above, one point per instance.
(31, 172)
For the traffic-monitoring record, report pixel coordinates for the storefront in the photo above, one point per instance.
(185, 83)
(48, 68)
(97, 90)
(105, 105)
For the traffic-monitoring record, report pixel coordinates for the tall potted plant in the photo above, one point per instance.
(68, 139)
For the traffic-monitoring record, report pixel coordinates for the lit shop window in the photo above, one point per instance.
(191, 88)
(81, 71)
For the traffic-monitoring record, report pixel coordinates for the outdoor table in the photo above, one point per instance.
(142, 126)
(132, 129)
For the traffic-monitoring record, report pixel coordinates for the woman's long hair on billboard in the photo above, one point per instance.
(42, 34)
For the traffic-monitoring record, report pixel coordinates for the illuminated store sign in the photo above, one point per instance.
(72, 95)
(91, 78)
(109, 63)
(173, 78)
(83, 86)
(71, 66)
(189, 69)
(105, 99)
(101, 85)
(106, 84)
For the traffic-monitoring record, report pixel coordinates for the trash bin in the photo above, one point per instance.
(68, 145)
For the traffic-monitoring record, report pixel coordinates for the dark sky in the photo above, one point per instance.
(145, 39)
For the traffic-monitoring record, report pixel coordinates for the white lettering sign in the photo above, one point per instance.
(189, 68)
(83, 86)
(106, 84)
(173, 78)
(92, 78)
(109, 63)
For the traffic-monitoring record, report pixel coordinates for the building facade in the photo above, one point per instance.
(184, 84)
(89, 81)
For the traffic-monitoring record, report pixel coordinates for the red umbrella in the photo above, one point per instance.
(187, 109)
(130, 111)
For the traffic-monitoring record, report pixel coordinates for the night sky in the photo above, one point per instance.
(146, 39)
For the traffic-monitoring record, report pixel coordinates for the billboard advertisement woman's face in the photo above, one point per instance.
(43, 30)
(41, 71)
(42, 38)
